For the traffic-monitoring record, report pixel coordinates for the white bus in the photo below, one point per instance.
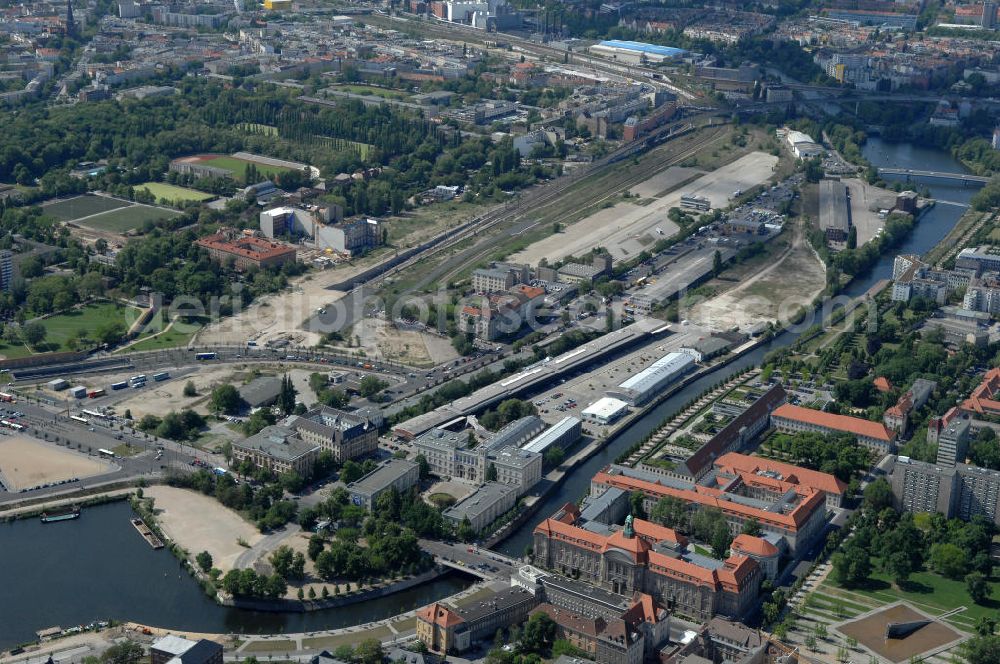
(106, 453)
(81, 420)
(11, 425)
(94, 413)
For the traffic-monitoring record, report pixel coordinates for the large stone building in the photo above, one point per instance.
(499, 277)
(483, 506)
(647, 558)
(276, 448)
(346, 435)
(395, 474)
(449, 454)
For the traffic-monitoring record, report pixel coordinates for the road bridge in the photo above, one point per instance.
(964, 178)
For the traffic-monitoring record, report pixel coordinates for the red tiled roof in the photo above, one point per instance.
(792, 474)
(439, 614)
(882, 384)
(253, 248)
(982, 400)
(845, 423)
(753, 545)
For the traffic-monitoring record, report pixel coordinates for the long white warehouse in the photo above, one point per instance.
(649, 382)
(562, 434)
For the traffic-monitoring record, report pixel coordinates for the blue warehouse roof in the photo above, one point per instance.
(668, 51)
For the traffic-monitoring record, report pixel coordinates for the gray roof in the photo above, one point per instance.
(442, 438)
(262, 391)
(561, 428)
(278, 442)
(481, 500)
(325, 420)
(593, 506)
(512, 456)
(516, 432)
(504, 599)
(579, 270)
(833, 212)
(383, 476)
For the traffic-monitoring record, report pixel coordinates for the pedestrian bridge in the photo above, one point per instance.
(936, 175)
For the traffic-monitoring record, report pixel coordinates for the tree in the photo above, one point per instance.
(369, 651)
(226, 399)
(491, 473)
(351, 472)
(190, 390)
(425, 466)
(538, 634)
(878, 496)
(204, 560)
(717, 263)
(370, 386)
(465, 531)
(721, 539)
(986, 625)
(671, 512)
(982, 650)
(752, 527)
(33, 333)
(126, 652)
(852, 238)
(978, 587)
(948, 560)
(636, 501)
(286, 396)
(898, 564)
(852, 565)
(281, 561)
(316, 544)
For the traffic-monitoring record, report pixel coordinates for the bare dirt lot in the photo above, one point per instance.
(26, 462)
(380, 341)
(200, 523)
(795, 278)
(626, 229)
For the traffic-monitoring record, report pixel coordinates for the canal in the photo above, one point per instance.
(933, 226)
(97, 567)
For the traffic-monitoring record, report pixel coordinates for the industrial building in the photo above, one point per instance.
(634, 52)
(398, 474)
(605, 410)
(834, 210)
(325, 226)
(651, 381)
(562, 434)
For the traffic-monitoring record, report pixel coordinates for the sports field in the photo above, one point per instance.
(173, 193)
(127, 219)
(238, 166)
(83, 206)
(26, 462)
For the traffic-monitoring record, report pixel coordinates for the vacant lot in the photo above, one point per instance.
(176, 335)
(200, 523)
(83, 206)
(127, 219)
(173, 193)
(88, 319)
(27, 462)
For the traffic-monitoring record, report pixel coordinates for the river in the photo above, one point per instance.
(97, 567)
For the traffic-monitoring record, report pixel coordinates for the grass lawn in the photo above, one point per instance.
(173, 193)
(238, 167)
(13, 352)
(930, 592)
(270, 646)
(127, 219)
(127, 450)
(176, 336)
(83, 206)
(351, 638)
(61, 327)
